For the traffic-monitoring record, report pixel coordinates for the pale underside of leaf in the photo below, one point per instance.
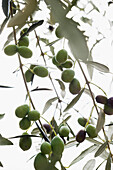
(89, 165)
(74, 101)
(48, 104)
(20, 18)
(100, 121)
(83, 154)
(101, 149)
(98, 66)
(76, 39)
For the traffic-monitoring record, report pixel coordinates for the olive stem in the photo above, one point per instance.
(87, 82)
(20, 63)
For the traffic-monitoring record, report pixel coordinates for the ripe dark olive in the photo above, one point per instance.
(47, 127)
(80, 137)
(101, 99)
(110, 102)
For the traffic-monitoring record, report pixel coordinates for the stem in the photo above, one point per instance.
(46, 65)
(87, 82)
(25, 83)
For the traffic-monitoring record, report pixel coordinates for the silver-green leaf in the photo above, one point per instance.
(5, 141)
(89, 165)
(100, 121)
(48, 104)
(108, 163)
(74, 101)
(101, 149)
(83, 154)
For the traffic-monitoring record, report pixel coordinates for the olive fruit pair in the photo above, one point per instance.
(66, 64)
(56, 147)
(90, 130)
(108, 104)
(27, 116)
(25, 142)
(24, 51)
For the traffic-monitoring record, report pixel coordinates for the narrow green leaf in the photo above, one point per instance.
(5, 7)
(108, 163)
(3, 24)
(89, 165)
(76, 39)
(35, 131)
(93, 141)
(1, 164)
(100, 165)
(83, 154)
(62, 86)
(1, 86)
(23, 136)
(100, 121)
(2, 115)
(98, 66)
(109, 132)
(32, 27)
(70, 144)
(40, 89)
(4, 141)
(101, 149)
(53, 42)
(74, 101)
(48, 104)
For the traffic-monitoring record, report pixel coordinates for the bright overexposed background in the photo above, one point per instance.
(12, 157)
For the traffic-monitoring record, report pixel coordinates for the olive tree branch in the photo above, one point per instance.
(87, 82)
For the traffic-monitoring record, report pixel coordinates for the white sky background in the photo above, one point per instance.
(12, 157)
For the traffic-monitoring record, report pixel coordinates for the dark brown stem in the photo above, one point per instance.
(46, 64)
(87, 82)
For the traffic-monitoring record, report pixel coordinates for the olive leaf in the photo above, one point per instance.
(6, 7)
(3, 24)
(62, 86)
(108, 163)
(100, 165)
(1, 86)
(98, 66)
(100, 121)
(32, 27)
(83, 154)
(74, 101)
(5, 141)
(92, 140)
(1, 164)
(48, 104)
(101, 149)
(76, 39)
(35, 131)
(2, 115)
(89, 165)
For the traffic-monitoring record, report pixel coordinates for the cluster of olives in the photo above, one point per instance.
(68, 74)
(108, 104)
(54, 150)
(90, 130)
(37, 70)
(21, 48)
(26, 116)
